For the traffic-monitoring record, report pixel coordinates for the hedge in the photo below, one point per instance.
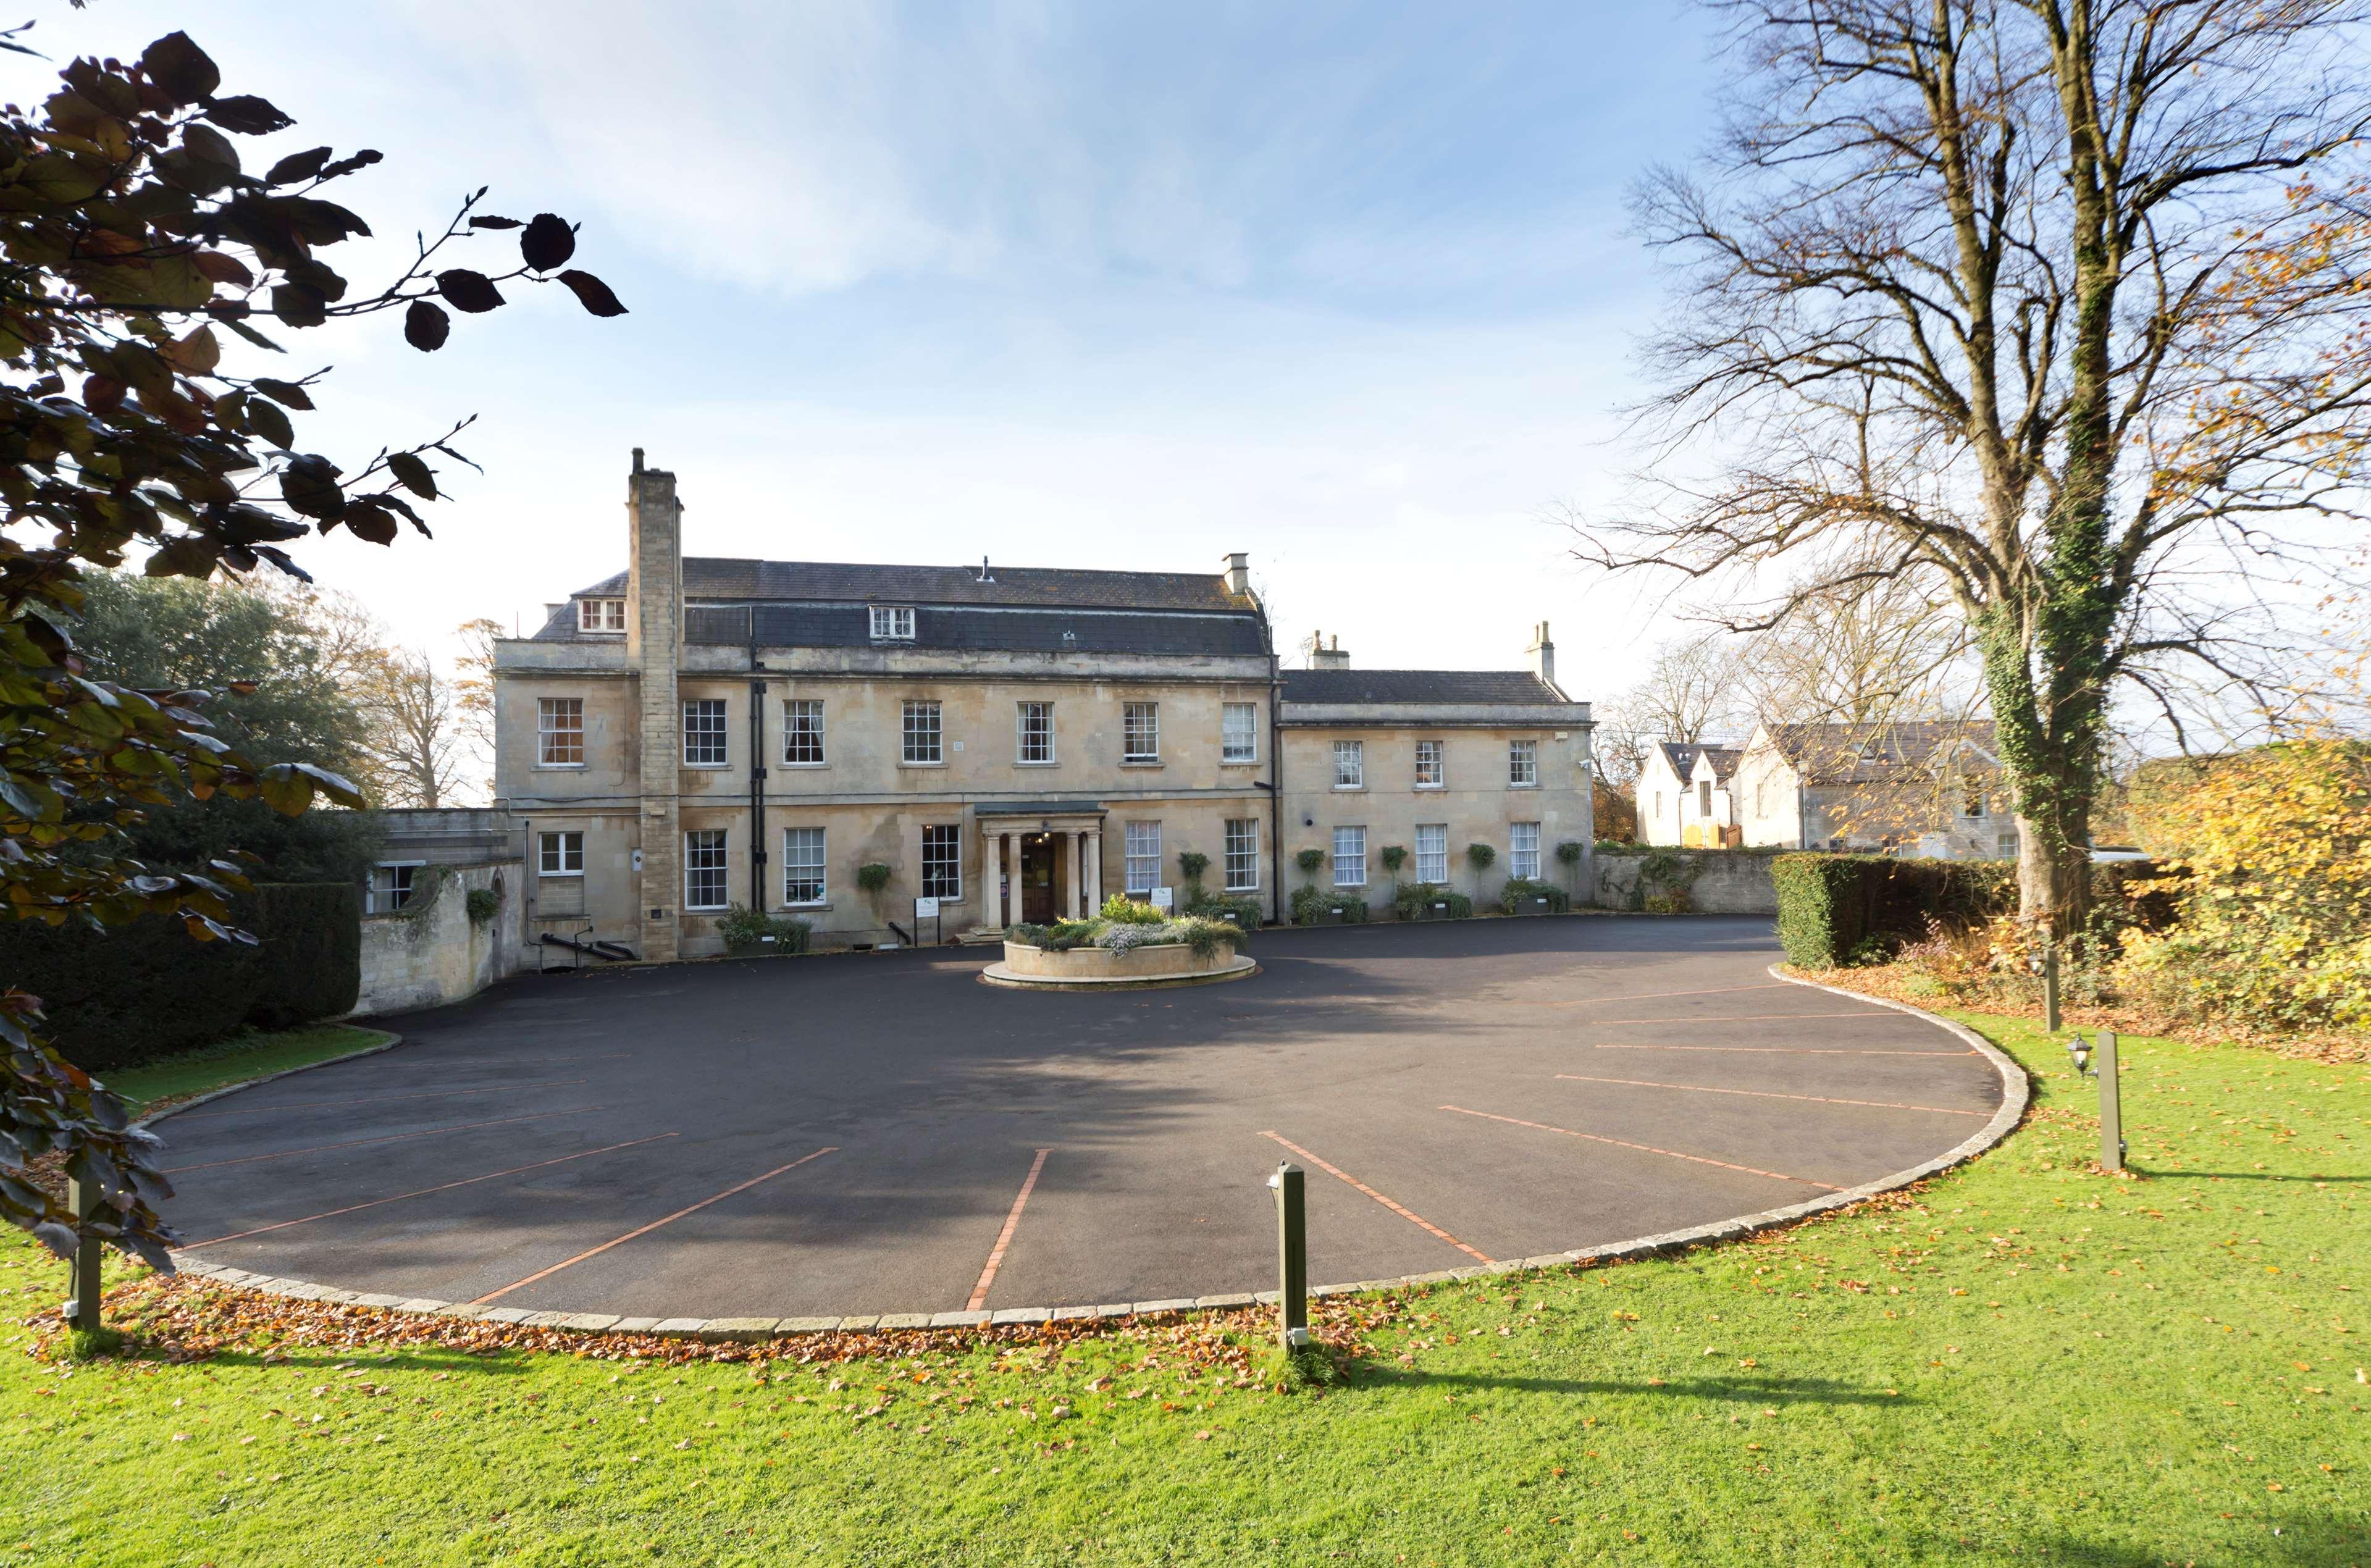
(130, 994)
(1837, 909)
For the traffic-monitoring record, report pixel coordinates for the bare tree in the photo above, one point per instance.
(473, 696)
(2048, 308)
(1692, 692)
(415, 738)
(1855, 654)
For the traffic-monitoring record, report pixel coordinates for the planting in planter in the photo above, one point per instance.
(1527, 895)
(753, 933)
(1128, 944)
(1429, 901)
(1317, 907)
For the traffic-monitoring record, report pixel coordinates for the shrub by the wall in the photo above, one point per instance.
(1838, 909)
(1521, 888)
(130, 994)
(1413, 900)
(1311, 901)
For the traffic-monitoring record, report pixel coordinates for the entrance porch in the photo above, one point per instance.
(1041, 862)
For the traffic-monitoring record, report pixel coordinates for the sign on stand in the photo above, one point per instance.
(928, 909)
(1163, 899)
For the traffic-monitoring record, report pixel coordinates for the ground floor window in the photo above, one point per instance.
(1243, 854)
(803, 865)
(703, 869)
(390, 886)
(561, 854)
(1523, 849)
(942, 862)
(1143, 843)
(1432, 852)
(1349, 857)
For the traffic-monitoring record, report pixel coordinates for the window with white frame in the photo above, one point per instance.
(942, 862)
(1704, 797)
(1037, 731)
(893, 623)
(1349, 765)
(703, 869)
(703, 733)
(2006, 844)
(1432, 852)
(1523, 849)
(1349, 857)
(391, 886)
(600, 615)
(923, 741)
(1139, 732)
(1239, 733)
(1522, 764)
(803, 865)
(1143, 842)
(1243, 854)
(560, 731)
(1428, 765)
(561, 854)
(803, 733)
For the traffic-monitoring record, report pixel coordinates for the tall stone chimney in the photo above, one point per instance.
(1239, 573)
(1329, 656)
(1543, 654)
(654, 652)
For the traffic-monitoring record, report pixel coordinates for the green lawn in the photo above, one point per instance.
(2024, 1362)
(238, 1059)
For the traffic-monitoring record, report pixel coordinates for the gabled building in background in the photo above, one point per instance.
(1012, 744)
(1929, 788)
(1685, 796)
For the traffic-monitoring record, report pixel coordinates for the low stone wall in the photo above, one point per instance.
(1727, 881)
(430, 953)
(1093, 967)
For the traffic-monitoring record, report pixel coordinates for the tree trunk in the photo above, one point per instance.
(2053, 880)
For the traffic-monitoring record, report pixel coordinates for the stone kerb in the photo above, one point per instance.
(1168, 963)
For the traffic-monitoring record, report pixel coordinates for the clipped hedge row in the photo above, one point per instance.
(1837, 909)
(130, 994)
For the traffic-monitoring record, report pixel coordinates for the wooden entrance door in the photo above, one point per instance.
(1038, 879)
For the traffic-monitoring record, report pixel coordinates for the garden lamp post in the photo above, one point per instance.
(2100, 1062)
(1292, 1255)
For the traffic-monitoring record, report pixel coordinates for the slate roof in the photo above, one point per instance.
(1466, 688)
(1837, 753)
(720, 577)
(1682, 755)
(1026, 609)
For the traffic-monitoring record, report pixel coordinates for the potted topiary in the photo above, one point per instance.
(1480, 856)
(1191, 864)
(1393, 856)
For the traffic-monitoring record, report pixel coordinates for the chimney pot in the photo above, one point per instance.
(1543, 652)
(638, 459)
(1239, 573)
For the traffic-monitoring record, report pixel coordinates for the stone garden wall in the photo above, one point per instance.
(1718, 882)
(431, 952)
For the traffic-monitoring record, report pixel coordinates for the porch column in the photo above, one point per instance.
(1078, 847)
(1013, 899)
(992, 894)
(1095, 840)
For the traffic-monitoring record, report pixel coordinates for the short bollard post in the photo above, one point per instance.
(2111, 1105)
(2049, 988)
(81, 1276)
(1292, 1255)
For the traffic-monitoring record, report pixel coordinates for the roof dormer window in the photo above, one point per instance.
(600, 615)
(893, 623)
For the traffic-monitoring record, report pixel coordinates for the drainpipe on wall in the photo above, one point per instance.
(1275, 776)
(757, 773)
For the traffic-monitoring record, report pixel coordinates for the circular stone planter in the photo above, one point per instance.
(1093, 968)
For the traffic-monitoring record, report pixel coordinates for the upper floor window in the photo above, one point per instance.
(1349, 765)
(703, 733)
(1704, 797)
(600, 615)
(1140, 732)
(560, 731)
(561, 854)
(1428, 765)
(803, 731)
(1239, 733)
(703, 869)
(924, 744)
(1036, 722)
(1522, 764)
(893, 623)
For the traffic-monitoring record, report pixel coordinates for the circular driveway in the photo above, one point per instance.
(879, 1133)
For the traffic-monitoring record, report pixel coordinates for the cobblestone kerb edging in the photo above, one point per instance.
(2014, 1093)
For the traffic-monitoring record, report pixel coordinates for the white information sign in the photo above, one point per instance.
(1161, 899)
(925, 909)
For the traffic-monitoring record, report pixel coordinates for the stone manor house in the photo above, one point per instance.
(1015, 743)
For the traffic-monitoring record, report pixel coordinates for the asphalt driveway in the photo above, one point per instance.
(880, 1133)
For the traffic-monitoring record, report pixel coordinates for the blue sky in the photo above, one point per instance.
(1110, 285)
